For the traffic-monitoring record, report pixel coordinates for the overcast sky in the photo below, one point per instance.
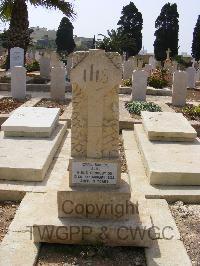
(97, 16)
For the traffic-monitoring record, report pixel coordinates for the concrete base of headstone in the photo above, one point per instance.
(169, 163)
(136, 231)
(32, 122)
(108, 172)
(28, 159)
(167, 126)
(96, 202)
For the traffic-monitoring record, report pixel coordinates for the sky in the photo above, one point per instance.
(97, 16)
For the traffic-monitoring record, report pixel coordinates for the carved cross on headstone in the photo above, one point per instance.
(168, 53)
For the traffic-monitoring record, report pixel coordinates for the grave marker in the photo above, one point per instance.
(95, 78)
(16, 57)
(179, 89)
(18, 82)
(139, 87)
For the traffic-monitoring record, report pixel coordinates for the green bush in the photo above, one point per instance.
(192, 111)
(5, 79)
(127, 82)
(157, 83)
(34, 66)
(138, 107)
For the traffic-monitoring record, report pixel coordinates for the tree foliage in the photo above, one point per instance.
(128, 36)
(130, 29)
(64, 37)
(167, 29)
(196, 41)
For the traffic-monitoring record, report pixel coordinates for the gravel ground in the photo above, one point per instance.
(9, 104)
(66, 255)
(7, 213)
(122, 155)
(187, 218)
(54, 104)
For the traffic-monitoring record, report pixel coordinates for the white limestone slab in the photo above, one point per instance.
(167, 126)
(169, 163)
(31, 122)
(28, 159)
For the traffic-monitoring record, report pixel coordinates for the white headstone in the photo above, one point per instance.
(37, 56)
(168, 53)
(139, 85)
(18, 82)
(152, 61)
(45, 67)
(58, 82)
(191, 73)
(16, 57)
(148, 68)
(179, 89)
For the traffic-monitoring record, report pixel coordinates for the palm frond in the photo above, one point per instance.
(6, 7)
(64, 6)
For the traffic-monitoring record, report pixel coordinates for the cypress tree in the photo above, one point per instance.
(130, 28)
(64, 37)
(196, 41)
(167, 29)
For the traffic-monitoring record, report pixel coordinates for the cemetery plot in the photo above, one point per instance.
(7, 213)
(49, 103)
(187, 219)
(90, 255)
(9, 104)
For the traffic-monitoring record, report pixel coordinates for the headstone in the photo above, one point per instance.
(168, 53)
(95, 79)
(179, 89)
(18, 82)
(193, 62)
(31, 122)
(55, 60)
(37, 56)
(140, 64)
(174, 66)
(152, 62)
(16, 57)
(148, 68)
(191, 72)
(45, 67)
(128, 67)
(58, 83)
(139, 85)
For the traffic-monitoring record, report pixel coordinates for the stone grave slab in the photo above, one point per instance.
(169, 163)
(28, 159)
(167, 126)
(31, 122)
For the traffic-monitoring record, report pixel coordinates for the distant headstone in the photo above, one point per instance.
(45, 67)
(16, 57)
(152, 62)
(139, 85)
(179, 89)
(128, 67)
(191, 73)
(148, 68)
(168, 53)
(140, 64)
(58, 83)
(95, 79)
(18, 82)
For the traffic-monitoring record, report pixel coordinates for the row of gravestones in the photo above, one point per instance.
(181, 81)
(50, 67)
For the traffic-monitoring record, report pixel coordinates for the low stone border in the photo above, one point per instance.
(150, 91)
(34, 87)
